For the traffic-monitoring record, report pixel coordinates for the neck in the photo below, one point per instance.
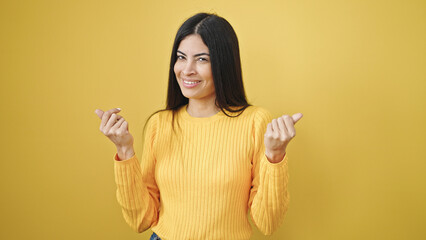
(200, 108)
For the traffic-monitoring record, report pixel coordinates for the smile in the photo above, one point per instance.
(190, 84)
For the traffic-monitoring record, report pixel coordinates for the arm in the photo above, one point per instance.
(269, 197)
(137, 192)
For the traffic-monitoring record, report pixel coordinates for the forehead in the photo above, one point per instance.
(193, 44)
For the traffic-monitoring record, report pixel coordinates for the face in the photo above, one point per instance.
(193, 69)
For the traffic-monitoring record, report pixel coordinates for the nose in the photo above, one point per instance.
(189, 68)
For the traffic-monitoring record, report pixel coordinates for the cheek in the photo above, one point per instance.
(210, 74)
(207, 73)
(210, 83)
(176, 69)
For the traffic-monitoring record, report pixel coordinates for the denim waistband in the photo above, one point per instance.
(154, 237)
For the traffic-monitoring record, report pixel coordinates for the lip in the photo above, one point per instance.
(190, 85)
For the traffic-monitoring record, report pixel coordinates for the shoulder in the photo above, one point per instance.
(162, 118)
(163, 114)
(259, 114)
(155, 118)
(249, 111)
(260, 117)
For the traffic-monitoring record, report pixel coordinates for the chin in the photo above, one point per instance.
(189, 96)
(186, 94)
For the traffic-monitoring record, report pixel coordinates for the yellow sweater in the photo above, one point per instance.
(200, 182)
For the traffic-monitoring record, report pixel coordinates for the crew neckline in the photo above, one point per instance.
(185, 115)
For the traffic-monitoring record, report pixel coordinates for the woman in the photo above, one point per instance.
(209, 156)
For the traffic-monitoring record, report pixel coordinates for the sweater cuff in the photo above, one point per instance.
(278, 169)
(124, 168)
(117, 159)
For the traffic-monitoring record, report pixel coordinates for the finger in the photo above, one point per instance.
(117, 124)
(124, 126)
(275, 127)
(99, 113)
(107, 115)
(283, 128)
(290, 126)
(276, 130)
(112, 120)
(296, 117)
(269, 128)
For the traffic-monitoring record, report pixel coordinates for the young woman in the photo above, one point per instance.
(210, 156)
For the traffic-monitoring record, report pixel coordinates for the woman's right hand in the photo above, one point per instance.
(116, 129)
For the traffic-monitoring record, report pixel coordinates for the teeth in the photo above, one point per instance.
(191, 82)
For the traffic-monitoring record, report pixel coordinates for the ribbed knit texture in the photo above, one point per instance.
(200, 182)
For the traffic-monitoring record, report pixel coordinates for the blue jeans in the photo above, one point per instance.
(154, 237)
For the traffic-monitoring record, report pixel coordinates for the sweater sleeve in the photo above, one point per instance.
(137, 192)
(269, 197)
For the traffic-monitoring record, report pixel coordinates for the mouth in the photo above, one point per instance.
(190, 83)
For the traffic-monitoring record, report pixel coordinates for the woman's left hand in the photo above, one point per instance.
(278, 134)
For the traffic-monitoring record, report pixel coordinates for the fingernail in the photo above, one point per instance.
(119, 109)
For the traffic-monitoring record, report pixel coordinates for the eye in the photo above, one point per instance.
(180, 57)
(201, 59)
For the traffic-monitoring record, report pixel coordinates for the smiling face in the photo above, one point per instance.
(193, 69)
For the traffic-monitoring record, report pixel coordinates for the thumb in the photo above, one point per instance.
(99, 112)
(296, 117)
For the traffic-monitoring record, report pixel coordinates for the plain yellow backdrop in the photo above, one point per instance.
(356, 69)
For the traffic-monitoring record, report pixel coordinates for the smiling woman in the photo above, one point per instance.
(228, 158)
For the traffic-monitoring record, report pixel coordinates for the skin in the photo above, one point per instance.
(117, 130)
(193, 63)
(278, 134)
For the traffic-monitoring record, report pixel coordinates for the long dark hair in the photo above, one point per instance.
(222, 42)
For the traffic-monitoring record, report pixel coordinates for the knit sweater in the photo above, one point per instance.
(200, 180)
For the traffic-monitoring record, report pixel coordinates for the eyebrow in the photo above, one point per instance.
(196, 55)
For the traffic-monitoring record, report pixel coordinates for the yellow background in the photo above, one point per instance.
(356, 70)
